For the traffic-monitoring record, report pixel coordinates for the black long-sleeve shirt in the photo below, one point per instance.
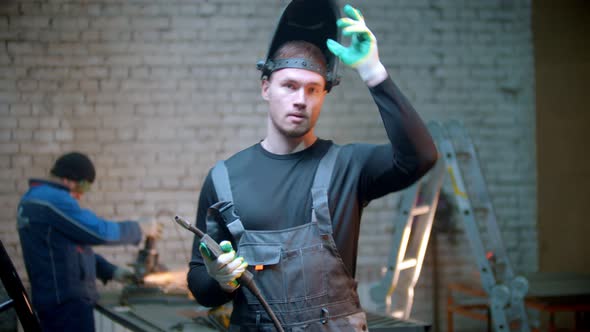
(272, 191)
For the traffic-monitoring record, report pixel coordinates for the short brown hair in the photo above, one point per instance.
(301, 49)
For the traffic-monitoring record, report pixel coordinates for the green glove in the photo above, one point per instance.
(362, 52)
(226, 268)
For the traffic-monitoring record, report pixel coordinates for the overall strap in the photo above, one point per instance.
(220, 179)
(223, 213)
(319, 190)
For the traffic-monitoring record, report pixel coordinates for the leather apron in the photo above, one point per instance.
(298, 270)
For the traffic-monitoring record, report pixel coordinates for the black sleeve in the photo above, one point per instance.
(411, 152)
(104, 269)
(205, 289)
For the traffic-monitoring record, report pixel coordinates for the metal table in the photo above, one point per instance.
(164, 314)
(174, 313)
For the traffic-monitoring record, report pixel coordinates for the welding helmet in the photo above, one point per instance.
(74, 166)
(313, 21)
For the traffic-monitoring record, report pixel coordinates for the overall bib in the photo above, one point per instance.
(298, 270)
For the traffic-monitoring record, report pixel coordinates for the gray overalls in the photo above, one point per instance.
(298, 270)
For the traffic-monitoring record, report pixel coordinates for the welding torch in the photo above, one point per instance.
(246, 279)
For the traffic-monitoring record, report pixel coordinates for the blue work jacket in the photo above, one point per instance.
(56, 236)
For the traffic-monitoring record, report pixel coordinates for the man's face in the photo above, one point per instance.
(295, 97)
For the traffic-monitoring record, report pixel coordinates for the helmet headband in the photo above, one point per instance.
(299, 63)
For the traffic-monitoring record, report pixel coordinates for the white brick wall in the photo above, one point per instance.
(157, 91)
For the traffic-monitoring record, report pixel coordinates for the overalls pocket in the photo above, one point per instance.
(264, 263)
(304, 272)
(285, 276)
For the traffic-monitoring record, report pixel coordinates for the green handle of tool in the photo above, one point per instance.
(215, 250)
(214, 247)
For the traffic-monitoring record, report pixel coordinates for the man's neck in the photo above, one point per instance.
(70, 184)
(285, 145)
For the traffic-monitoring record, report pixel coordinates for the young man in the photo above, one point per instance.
(56, 236)
(298, 199)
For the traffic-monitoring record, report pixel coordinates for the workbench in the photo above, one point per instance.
(167, 313)
(174, 313)
(549, 293)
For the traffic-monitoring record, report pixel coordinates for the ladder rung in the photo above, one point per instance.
(419, 210)
(399, 314)
(408, 264)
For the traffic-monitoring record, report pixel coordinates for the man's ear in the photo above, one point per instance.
(71, 184)
(264, 86)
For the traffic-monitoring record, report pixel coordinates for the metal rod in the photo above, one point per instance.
(17, 293)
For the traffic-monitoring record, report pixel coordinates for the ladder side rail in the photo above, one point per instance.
(480, 192)
(424, 224)
(434, 189)
(469, 222)
(403, 229)
(510, 290)
(395, 268)
(382, 292)
(407, 205)
(488, 280)
(393, 286)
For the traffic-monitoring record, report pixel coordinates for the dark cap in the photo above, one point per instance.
(74, 166)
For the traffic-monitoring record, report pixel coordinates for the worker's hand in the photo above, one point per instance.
(124, 275)
(226, 268)
(151, 227)
(362, 52)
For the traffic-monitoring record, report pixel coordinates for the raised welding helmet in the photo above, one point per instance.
(313, 21)
(75, 166)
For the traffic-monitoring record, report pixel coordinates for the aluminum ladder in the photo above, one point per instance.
(505, 290)
(458, 160)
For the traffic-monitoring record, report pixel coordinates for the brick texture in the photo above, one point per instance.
(155, 92)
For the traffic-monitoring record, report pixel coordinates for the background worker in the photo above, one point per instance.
(56, 236)
(298, 199)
